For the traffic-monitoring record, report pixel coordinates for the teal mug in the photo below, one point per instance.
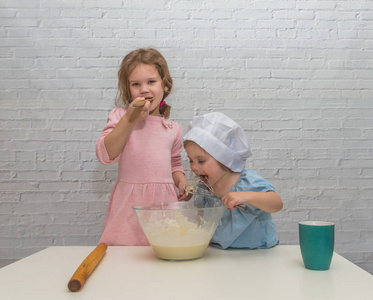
(316, 240)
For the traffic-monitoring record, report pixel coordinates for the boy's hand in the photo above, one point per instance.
(232, 199)
(269, 201)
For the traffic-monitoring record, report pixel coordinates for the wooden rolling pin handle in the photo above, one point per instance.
(86, 268)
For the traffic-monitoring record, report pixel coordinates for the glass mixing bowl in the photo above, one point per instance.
(179, 230)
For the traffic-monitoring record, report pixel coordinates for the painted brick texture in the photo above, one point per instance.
(297, 75)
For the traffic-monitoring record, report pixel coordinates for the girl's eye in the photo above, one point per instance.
(135, 84)
(151, 82)
(201, 161)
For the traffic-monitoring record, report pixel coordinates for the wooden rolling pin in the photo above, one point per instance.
(86, 268)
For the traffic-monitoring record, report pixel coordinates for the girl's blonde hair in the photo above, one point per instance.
(148, 56)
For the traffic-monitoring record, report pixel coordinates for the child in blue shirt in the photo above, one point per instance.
(217, 148)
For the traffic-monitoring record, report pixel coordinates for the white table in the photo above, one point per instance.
(135, 273)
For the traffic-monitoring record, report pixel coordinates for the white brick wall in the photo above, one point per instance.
(297, 75)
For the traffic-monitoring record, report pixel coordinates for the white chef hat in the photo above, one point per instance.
(222, 138)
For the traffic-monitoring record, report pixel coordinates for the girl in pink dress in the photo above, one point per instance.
(144, 142)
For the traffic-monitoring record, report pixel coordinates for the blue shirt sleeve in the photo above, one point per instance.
(250, 180)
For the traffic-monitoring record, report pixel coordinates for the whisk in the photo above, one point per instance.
(200, 188)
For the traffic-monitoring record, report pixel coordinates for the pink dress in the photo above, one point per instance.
(145, 167)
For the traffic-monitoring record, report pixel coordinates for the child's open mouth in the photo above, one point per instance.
(204, 178)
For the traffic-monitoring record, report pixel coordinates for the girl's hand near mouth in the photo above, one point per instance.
(141, 103)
